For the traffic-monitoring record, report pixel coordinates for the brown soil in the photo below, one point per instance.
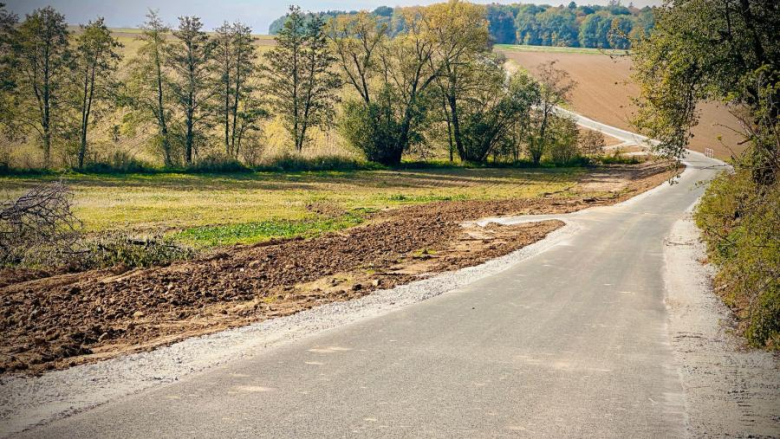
(67, 319)
(604, 91)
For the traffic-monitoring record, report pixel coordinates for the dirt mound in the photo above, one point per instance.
(62, 320)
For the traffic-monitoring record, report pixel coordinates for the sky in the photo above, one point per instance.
(256, 13)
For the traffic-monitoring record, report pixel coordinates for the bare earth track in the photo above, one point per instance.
(64, 320)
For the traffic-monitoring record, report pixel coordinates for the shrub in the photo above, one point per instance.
(295, 163)
(563, 135)
(217, 164)
(592, 143)
(119, 162)
(740, 221)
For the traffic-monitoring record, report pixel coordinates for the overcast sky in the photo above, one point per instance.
(257, 13)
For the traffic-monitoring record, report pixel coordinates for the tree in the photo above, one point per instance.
(727, 51)
(356, 39)
(192, 85)
(501, 24)
(371, 123)
(40, 60)
(494, 113)
(148, 83)
(592, 143)
(461, 41)
(299, 77)
(563, 139)
(235, 57)
(556, 87)
(699, 51)
(8, 22)
(95, 62)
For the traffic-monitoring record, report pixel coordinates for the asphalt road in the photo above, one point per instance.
(570, 342)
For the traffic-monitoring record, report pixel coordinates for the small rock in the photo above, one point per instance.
(138, 314)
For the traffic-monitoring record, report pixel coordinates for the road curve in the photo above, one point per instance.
(570, 342)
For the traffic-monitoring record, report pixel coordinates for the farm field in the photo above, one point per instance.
(366, 230)
(604, 91)
(223, 209)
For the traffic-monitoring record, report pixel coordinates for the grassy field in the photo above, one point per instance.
(552, 49)
(211, 210)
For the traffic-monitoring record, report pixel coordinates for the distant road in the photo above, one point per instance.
(625, 136)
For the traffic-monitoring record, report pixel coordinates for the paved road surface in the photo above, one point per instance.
(571, 342)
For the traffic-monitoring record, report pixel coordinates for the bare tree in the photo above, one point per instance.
(43, 215)
(556, 88)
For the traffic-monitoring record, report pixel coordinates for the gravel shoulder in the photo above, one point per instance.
(730, 390)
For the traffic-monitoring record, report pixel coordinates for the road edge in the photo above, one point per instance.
(729, 390)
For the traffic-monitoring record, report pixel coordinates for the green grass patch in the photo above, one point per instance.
(254, 232)
(554, 49)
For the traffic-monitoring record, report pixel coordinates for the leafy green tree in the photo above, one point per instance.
(501, 21)
(563, 140)
(147, 88)
(95, 62)
(527, 25)
(461, 41)
(594, 31)
(235, 59)
(494, 112)
(712, 50)
(299, 75)
(39, 60)
(727, 51)
(191, 84)
(558, 27)
(8, 22)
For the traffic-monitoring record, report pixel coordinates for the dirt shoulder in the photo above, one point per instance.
(63, 320)
(730, 390)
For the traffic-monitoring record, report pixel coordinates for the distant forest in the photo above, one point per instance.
(605, 27)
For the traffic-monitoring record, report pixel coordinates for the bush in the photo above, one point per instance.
(592, 143)
(217, 164)
(740, 221)
(296, 163)
(119, 162)
(563, 140)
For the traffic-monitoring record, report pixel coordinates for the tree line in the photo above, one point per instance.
(387, 93)
(605, 27)
(729, 52)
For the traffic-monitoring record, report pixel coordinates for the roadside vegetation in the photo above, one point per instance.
(729, 52)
